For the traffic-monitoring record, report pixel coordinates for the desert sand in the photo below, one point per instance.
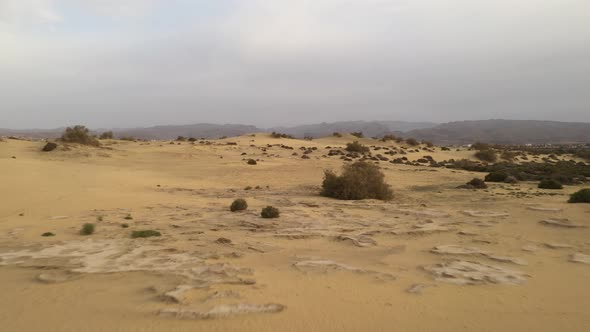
(435, 258)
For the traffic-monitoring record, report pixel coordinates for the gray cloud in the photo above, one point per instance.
(283, 62)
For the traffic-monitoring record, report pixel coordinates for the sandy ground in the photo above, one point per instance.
(324, 265)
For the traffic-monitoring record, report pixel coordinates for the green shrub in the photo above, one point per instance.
(581, 196)
(356, 147)
(486, 155)
(412, 142)
(144, 234)
(496, 177)
(550, 184)
(252, 162)
(508, 155)
(270, 212)
(106, 135)
(360, 180)
(50, 146)
(238, 205)
(79, 134)
(87, 229)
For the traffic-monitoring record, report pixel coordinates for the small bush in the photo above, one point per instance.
(128, 217)
(106, 135)
(511, 179)
(412, 142)
(336, 134)
(549, 184)
(280, 135)
(128, 138)
(356, 147)
(508, 155)
(428, 144)
(99, 218)
(486, 155)
(496, 177)
(475, 183)
(360, 180)
(87, 229)
(181, 139)
(238, 205)
(270, 212)
(144, 234)
(479, 146)
(386, 138)
(47, 234)
(581, 196)
(79, 134)
(50, 146)
(357, 134)
(252, 162)
(124, 225)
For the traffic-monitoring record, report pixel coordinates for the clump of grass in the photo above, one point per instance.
(107, 135)
(252, 162)
(280, 135)
(128, 217)
(99, 218)
(549, 184)
(144, 233)
(248, 188)
(580, 196)
(412, 142)
(124, 225)
(47, 234)
(360, 180)
(87, 229)
(358, 134)
(239, 204)
(496, 177)
(336, 134)
(270, 212)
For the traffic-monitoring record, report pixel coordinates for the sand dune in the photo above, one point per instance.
(434, 258)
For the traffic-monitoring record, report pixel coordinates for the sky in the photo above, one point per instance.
(135, 63)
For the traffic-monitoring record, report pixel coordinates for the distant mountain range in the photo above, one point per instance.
(462, 132)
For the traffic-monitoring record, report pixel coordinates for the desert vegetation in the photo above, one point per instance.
(549, 184)
(280, 135)
(580, 196)
(144, 233)
(107, 135)
(50, 146)
(270, 212)
(87, 229)
(360, 180)
(79, 134)
(239, 204)
(488, 155)
(356, 147)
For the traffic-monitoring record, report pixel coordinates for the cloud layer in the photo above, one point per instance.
(266, 62)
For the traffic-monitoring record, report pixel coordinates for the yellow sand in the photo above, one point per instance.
(184, 192)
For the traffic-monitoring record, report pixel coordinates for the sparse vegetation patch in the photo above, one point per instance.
(239, 204)
(144, 233)
(580, 196)
(359, 180)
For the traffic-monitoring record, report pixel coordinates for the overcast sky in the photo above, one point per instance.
(127, 63)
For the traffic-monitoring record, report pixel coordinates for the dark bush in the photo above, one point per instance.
(87, 229)
(486, 155)
(412, 141)
(144, 233)
(252, 162)
(549, 184)
(428, 144)
(479, 146)
(181, 139)
(357, 134)
(280, 135)
(389, 137)
(496, 177)
(238, 205)
(510, 179)
(360, 180)
(130, 138)
(580, 196)
(508, 155)
(356, 147)
(47, 234)
(50, 146)
(475, 183)
(79, 134)
(336, 134)
(270, 212)
(106, 135)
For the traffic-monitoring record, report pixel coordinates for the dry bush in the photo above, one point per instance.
(486, 155)
(360, 180)
(356, 147)
(106, 135)
(270, 212)
(239, 204)
(412, 141)
(50, 146)
(79, 134)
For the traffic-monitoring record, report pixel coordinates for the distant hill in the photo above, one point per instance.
(462, 132)
(208, 130)
(505, 132)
